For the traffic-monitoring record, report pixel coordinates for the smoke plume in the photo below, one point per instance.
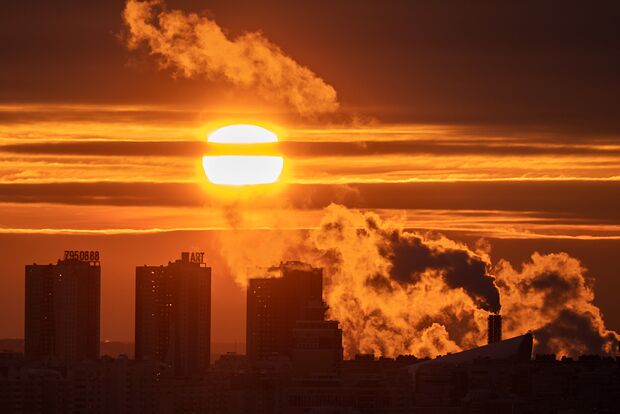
(551, 297)
(400, 292)
(396, 292)
(194, 45)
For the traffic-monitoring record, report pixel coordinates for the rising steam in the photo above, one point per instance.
(398, 292)
(551, 297)
(194, 45)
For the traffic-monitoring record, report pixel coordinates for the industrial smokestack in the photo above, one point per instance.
(495, 328)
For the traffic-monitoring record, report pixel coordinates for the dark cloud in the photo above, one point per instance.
(552, 296)
(460, 323)
(105, 193)
(305, 149)
(575, 330)
(587, 200)
(557, 289)
(410, 257)
(111, 148)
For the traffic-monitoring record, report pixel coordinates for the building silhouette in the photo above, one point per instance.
(281, 296)
(295, 363)
(62, 308)
(317, 348)
(173, 314)
(494, 328)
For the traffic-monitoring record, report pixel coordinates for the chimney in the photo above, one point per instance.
(495, 328)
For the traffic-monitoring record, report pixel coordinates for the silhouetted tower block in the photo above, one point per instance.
(495, 328)
(291, 292)
(173, 314)
(62, 309)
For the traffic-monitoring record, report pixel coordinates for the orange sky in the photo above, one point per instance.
(461, 127)
(105, 177)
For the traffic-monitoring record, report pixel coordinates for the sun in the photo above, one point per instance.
(242, 155)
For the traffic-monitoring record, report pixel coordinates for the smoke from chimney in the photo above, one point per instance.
(401, 292)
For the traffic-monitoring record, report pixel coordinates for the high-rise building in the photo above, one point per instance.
(62, 308)
(173, 314)
(495, 328)
(278, 299)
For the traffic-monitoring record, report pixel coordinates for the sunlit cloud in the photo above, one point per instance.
(194, 45)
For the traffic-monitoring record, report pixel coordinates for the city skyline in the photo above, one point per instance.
(411, 201)
(286, 315)
(277, 296)
(295, 358)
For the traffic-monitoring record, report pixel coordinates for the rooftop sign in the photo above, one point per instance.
(193, 257)
(82, 255)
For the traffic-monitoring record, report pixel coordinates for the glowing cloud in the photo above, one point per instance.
(194, 45)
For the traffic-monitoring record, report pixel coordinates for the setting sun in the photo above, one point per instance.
(239, 161)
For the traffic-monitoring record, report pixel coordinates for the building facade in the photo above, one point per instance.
(278, 299)
(317, 348)
(62, 309)
(173, 314)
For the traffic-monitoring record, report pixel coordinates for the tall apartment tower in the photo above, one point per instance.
(495, 328)
(173, 314)
(284, 295)
(62, 308)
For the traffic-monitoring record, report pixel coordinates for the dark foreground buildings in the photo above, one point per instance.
(173, 314)
(278, 299)
(62, 308)
(487, 380)
(296, 364)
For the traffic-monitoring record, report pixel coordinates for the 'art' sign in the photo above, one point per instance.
(197, 257)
